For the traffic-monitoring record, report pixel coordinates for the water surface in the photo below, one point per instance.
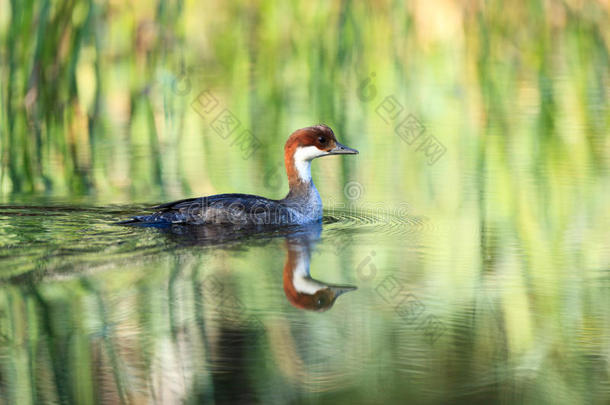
(93, 310)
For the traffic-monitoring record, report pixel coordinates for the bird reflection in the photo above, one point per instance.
(232, 339)
(301, 290)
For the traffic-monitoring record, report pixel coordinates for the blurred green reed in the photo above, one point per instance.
(89, 103)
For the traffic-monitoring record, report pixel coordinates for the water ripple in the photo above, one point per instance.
(392, 223)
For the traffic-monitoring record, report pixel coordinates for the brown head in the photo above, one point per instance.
(306, 144)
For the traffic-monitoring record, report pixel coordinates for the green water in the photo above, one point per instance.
(474, 222)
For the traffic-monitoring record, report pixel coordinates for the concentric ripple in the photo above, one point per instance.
(385, 222)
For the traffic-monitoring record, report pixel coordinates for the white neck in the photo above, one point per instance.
(302, 161)
(303, 169)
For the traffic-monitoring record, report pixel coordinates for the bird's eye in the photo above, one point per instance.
(322, 140)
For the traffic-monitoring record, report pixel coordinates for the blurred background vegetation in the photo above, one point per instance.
(95, 95)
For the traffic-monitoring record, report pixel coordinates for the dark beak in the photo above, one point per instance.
(341, 289)
(342, 150)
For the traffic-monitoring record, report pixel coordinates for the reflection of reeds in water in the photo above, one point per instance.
(151, 330)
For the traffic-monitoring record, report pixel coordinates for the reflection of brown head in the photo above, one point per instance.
(303, 291)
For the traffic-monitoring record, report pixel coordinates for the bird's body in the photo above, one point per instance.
(237, 209)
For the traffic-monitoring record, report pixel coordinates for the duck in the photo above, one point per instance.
(302, 204)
